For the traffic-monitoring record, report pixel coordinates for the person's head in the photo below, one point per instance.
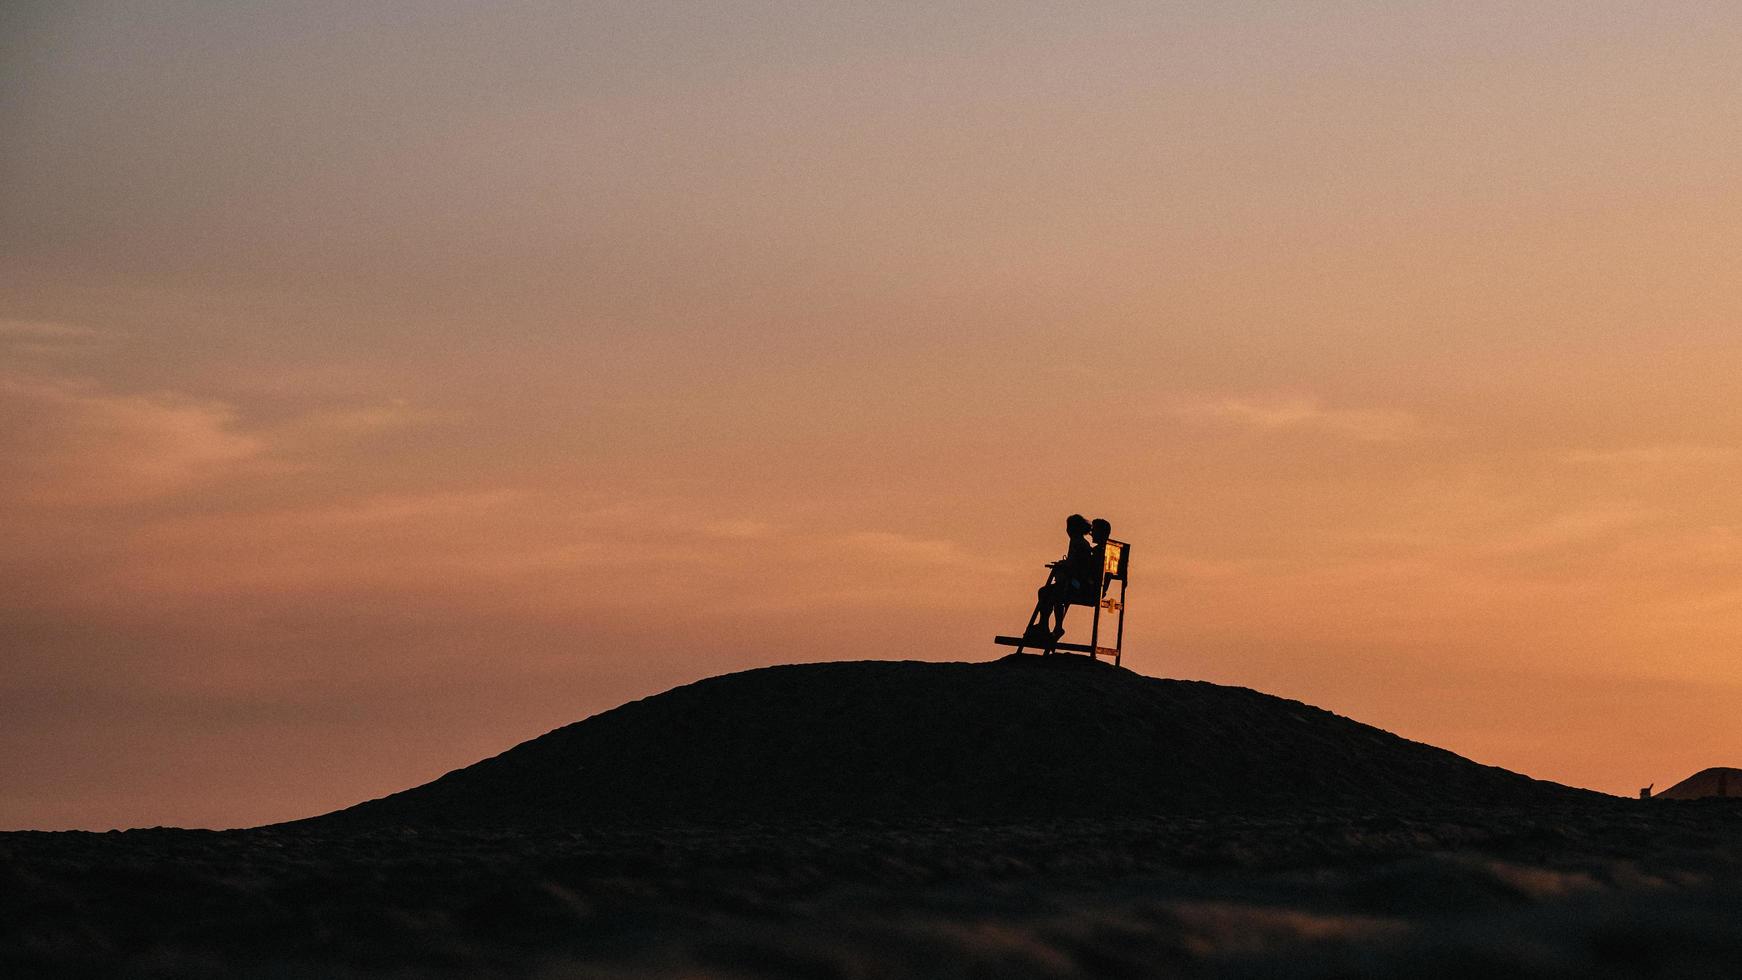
(1100, 531)
(1076, 525)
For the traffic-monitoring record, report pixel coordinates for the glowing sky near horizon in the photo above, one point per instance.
(384, 384)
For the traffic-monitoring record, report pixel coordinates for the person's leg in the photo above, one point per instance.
(1051, 603)
(1042, 608)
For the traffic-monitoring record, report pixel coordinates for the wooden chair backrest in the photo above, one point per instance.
(1117, 561)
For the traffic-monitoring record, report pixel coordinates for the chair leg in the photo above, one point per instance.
(1033, 618)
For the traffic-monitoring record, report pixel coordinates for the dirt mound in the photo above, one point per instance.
(1021, 738)
(1716, 781)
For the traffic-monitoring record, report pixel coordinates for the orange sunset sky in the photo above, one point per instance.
(384, 384)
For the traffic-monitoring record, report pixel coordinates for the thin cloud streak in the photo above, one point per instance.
(1663, 455)
(1306, 415)
(71, 443)
(31, 331)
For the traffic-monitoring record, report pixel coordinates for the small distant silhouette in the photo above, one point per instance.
(1093, 561)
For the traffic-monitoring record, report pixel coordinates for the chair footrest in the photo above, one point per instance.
(1017, 641)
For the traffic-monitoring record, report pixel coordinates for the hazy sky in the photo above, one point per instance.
(384, 384)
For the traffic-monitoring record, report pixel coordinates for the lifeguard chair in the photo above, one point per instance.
(1115, 566)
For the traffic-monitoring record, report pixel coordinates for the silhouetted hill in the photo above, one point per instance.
(1023, 737)
(1716, 781)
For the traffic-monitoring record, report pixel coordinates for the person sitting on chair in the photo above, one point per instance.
(1099, 532)
(1072, 576)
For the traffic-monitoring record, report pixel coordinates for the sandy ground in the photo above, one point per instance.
(1610, 889)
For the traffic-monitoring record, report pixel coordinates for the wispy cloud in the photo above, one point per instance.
(1667, 454)
(44, 330)
(322, 427)
(928, 552)
(1305, 415)
(48, 338)
(68, 442)
(387, 508)
(369, 418)
(738, 529)
(1569, 528)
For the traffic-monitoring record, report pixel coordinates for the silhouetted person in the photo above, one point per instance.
(1099, 532)
(1071, 576)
